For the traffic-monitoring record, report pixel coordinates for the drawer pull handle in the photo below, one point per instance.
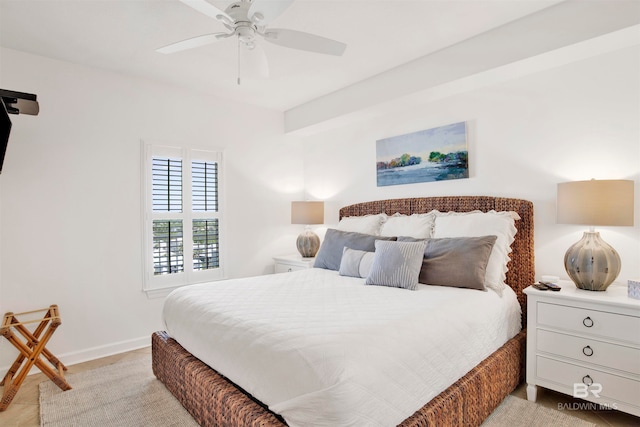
(587, 322)
(289, 270)
(587, 378)
(587, 351)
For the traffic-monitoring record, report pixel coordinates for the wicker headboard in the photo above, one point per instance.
(521, 267)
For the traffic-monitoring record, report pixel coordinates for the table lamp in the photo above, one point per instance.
(307, 213)
(592, 263)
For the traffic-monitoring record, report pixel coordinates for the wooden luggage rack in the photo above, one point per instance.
(33, 351)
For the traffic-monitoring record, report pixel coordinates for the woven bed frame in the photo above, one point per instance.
(213, 400)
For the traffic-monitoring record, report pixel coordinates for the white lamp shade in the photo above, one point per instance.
(596, 202)
(307, 213)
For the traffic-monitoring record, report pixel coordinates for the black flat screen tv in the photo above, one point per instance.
(5, 130)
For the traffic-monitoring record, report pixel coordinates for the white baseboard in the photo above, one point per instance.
(93, 353)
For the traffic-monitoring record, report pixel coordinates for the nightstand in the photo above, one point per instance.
(289, 263)
(585, 344)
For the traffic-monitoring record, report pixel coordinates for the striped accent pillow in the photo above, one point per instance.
(396, 264)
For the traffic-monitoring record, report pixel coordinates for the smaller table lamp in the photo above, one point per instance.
(592, 263)
(307, 213)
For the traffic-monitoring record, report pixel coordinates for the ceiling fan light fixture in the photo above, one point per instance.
(246, 34)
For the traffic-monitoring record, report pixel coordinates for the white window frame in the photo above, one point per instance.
(160, 285)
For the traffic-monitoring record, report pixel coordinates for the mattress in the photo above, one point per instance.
(327, 350)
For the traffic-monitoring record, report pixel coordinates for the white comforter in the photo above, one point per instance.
(326, 350)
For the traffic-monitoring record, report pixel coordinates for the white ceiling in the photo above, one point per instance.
(122, 35)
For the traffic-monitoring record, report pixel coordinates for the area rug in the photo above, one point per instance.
(127, 394)
(123, 394)
(514, 411)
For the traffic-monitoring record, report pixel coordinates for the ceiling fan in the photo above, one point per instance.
(249, 20)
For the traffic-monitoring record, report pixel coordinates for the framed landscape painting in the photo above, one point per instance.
(425, 156)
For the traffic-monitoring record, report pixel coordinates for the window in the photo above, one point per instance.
(182, 216)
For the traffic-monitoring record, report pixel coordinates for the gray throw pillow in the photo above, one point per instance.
(459, 262)
(355, 263)
(330, 253)
(396, 264)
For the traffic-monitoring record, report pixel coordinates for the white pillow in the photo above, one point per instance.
(419, 226)
(368, 224)
(477, 224)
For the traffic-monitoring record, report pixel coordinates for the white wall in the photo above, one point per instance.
(574, 122)
(70, 196)
(70, 188)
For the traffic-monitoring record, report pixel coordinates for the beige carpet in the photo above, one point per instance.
(127, 394)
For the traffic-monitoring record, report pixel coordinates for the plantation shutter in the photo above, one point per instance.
(167, 184)
(183, 218)
(204, 186)
(168, 255)
(204, 195)
(168, 252)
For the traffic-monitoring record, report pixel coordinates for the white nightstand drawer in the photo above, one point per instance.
(614, 387)
(287, 268)
(590, 322)
(289, 263)
(590, 351)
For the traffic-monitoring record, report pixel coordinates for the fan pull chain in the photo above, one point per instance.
(238, 61)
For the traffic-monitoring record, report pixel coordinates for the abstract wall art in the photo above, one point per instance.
(429, 155)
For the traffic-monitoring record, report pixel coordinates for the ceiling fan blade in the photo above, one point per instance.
(253, 63)
(192, 43)
(207, 8)
(262, 12)
(304, 41)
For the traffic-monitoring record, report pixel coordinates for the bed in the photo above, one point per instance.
(213, 400)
